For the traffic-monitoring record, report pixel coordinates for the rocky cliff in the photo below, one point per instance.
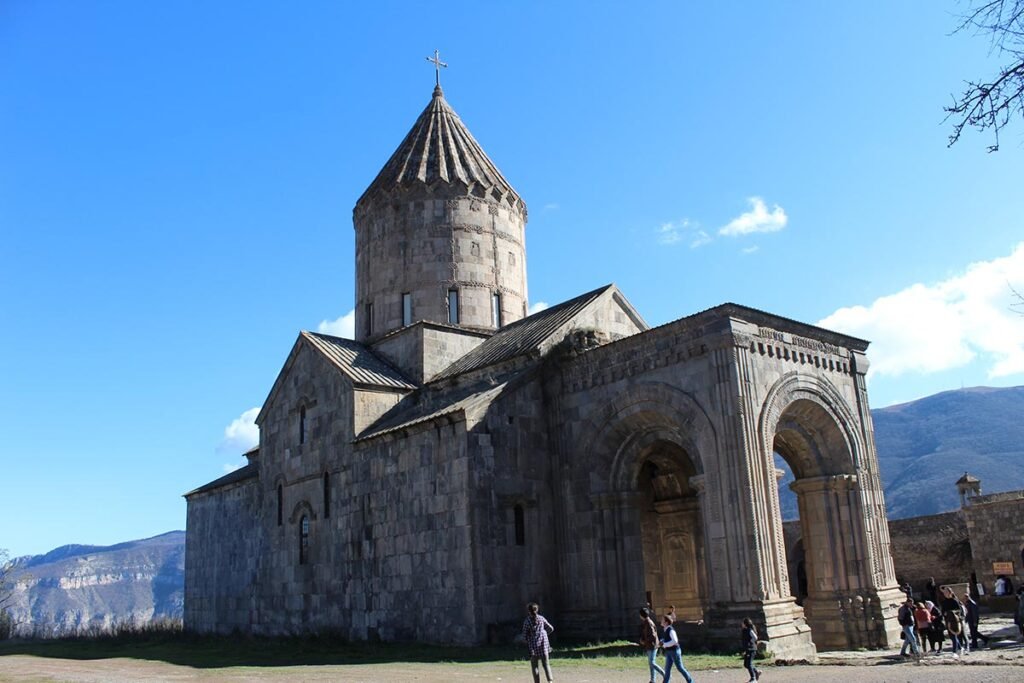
(79, 587)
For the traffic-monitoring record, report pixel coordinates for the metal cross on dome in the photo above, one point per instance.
(436, 61)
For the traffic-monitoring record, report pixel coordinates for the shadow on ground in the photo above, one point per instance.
(205, 652)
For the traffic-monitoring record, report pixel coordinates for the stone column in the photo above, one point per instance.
(754, 564)
(840, 599)
(882, 595)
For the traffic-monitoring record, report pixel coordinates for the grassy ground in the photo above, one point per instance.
(220, 652)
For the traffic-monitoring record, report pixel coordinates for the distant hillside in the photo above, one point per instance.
(81, 586)
(926, 445)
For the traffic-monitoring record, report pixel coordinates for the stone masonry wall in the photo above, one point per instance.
(422, 350)
(994, 523)
(222, 554)
(389, 550)
(511, 470)
(919, 549)
(425, 247)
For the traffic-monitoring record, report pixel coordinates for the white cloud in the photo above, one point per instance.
(758, 219)
(552, 206)
(930, 328)
(242, 434)
(750, 250)
(537, 307)
(231, 467)
(345, 326)
(674, 232)
(700, 239)
(670, 233)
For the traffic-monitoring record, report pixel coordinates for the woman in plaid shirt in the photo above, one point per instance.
(535, 632)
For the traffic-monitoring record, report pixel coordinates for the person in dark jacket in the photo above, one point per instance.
(905, 617)
(952, 612)
(937, 633)
(749, 639)
(973, 618)
(649, 641)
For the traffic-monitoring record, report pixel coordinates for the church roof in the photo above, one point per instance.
(428, 407)
(440, 150)
(359, 363)
(249, 471)
(522, 336)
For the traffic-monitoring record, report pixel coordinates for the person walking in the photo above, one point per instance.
(956, 632)
(936, 634)
(535, 632)
(749, 639)
(905, 617)
(922, 624)
(952, 612)
(973, 618)
(1018, 616)
(673, 651)
(649, 642)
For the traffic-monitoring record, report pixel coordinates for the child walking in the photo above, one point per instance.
(750, 649)
(673, 651)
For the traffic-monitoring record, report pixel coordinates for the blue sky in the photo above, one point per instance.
(177, 180)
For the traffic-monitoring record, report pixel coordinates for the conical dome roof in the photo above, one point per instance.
(440, 154)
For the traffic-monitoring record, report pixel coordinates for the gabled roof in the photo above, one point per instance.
(522, 336)
(450, 402)
(249, 471)
(440, 150)
(359, 363)
(362, 367)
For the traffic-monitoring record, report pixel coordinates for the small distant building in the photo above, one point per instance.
(969, 487)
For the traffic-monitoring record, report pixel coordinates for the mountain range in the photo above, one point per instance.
(86, 587)
(923, 447)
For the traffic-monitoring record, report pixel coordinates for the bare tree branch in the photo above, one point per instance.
(992, 104)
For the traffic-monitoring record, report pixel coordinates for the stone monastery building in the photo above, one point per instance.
(460, 458)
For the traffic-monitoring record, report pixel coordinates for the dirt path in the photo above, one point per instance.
(935, 670)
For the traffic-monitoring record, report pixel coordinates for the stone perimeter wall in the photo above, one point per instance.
(919, 546)
(994, 523)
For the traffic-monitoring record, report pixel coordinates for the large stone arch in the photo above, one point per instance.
(794, 387)
(645, 412)
(809, 423)
(644, 459)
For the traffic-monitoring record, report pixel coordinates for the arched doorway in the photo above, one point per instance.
(829, 560)
(672, 538)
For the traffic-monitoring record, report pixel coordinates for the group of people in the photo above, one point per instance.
(536, 630)
(934, 621)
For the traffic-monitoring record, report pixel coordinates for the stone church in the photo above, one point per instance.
(461, 457)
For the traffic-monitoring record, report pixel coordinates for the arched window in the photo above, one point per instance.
(453, 306)
(303, 539)
(520, 525)
(280, 504)
(496, 309)
(407, 308)
(327, 494)
(302, 425)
